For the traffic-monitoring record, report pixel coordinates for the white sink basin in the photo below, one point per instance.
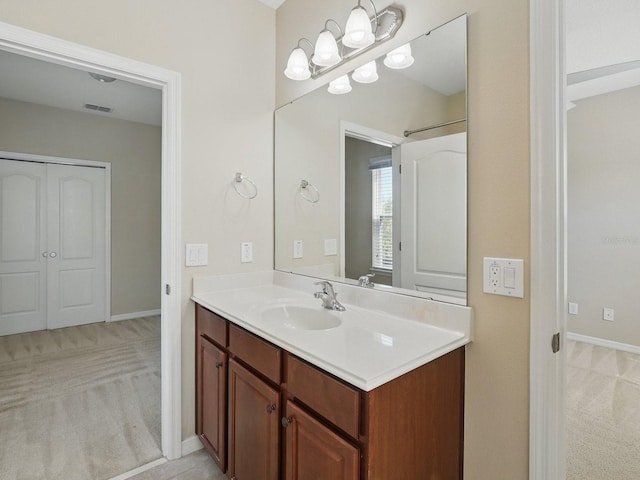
(301, 318)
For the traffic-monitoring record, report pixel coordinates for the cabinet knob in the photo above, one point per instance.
(286, 421)
(219, 364)
(271, 408)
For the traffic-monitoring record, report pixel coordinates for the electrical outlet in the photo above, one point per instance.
(297, 249)
(608, 314)
(246, 252)
(503, 276)
(494, 275)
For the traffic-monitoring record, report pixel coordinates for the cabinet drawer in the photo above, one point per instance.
(334, 400)
(211, 325)
(257, 353)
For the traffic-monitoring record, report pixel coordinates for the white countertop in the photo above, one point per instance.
(370, 347)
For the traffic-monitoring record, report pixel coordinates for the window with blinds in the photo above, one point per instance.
(382, 213)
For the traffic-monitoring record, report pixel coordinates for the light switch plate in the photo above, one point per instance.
(504, 276)
(330, 247)
(196, 254)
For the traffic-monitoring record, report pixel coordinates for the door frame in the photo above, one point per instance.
(27, 157)
(51, 49)
(547, 423)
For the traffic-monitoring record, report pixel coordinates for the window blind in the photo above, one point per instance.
(382, 221)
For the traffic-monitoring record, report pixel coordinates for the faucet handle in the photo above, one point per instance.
(326, 286)
(364, 280)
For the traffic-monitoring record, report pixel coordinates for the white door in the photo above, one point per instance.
(434, 215)
(76, 210)
(23, 279)
(52, 246)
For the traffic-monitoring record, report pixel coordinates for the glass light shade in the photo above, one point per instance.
(357, 33)
(298, 65)
(367, 73)
(340, 85)
(326, 52)
(399, 58)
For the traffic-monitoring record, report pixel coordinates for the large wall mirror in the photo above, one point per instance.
(374, 181)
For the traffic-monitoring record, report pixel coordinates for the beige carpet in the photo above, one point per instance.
(603, 413)
(80, 403)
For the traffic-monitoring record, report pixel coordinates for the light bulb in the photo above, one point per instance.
(367, 73)
(357, 33)
(399, 58)
(326, 50)
(298, 65)
(340, 85)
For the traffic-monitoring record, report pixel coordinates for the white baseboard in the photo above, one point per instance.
(601, 342)
(132, 315)
(143, 468)
(191, 444)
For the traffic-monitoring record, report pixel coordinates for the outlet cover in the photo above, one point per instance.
(573, 308)
(503, 276)
(246, 252)
(608, 314)
(298, 249)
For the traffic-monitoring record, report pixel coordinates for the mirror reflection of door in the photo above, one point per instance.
(368, 210)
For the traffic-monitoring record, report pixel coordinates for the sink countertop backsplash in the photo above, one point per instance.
(382, 335)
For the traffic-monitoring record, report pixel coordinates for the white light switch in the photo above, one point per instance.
(246, 252)
(504, 276)
(330, 247)
(297, 249)
(196, 254)
(573, 308)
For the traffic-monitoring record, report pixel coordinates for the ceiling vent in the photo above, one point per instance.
(98, 108)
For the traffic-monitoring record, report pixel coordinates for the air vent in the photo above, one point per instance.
(98, 108)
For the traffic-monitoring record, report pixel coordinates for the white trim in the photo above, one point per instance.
(141, 469)
(548, 241)
(603, 342)
(28, 157)
(134, 315)
(191, 444)
(43, 47)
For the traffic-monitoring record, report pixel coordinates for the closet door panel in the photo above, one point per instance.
(22, 244)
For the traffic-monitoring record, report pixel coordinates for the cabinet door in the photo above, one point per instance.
(212, 400)
(314, 452)
(254, 419)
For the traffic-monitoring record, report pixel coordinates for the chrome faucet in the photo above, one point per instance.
(328, 297)
(365, 280)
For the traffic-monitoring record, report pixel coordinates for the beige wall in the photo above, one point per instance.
(497, 363)
(134, 151)
(224, 50)
(603, 223)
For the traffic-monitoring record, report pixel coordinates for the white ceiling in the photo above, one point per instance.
(602, 45)
(272, 3)
(35, 81)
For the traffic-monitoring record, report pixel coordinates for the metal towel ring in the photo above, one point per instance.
(241, 178)
(314, 194)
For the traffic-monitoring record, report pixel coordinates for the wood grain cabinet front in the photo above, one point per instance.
(313, 451)
(254, 426)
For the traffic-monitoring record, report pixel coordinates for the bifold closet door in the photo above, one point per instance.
(76, 247)
(23, 269)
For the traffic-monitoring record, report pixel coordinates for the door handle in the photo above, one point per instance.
(53, 254)
(45, 254)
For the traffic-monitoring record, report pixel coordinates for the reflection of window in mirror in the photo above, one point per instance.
(382, 215)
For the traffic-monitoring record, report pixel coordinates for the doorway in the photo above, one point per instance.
(51, 49)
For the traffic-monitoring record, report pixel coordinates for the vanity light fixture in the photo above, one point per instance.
(367, 73)
(326, 52)
(330, 52)
(358, 32)
(399, 58)
(298, 64)
(340, 85)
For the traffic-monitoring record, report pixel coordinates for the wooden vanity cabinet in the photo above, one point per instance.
(288, 419)
(211, 384)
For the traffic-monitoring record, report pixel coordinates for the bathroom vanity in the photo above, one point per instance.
(279, 396)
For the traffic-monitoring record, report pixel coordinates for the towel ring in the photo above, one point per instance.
(313, 195)
(240, 178)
